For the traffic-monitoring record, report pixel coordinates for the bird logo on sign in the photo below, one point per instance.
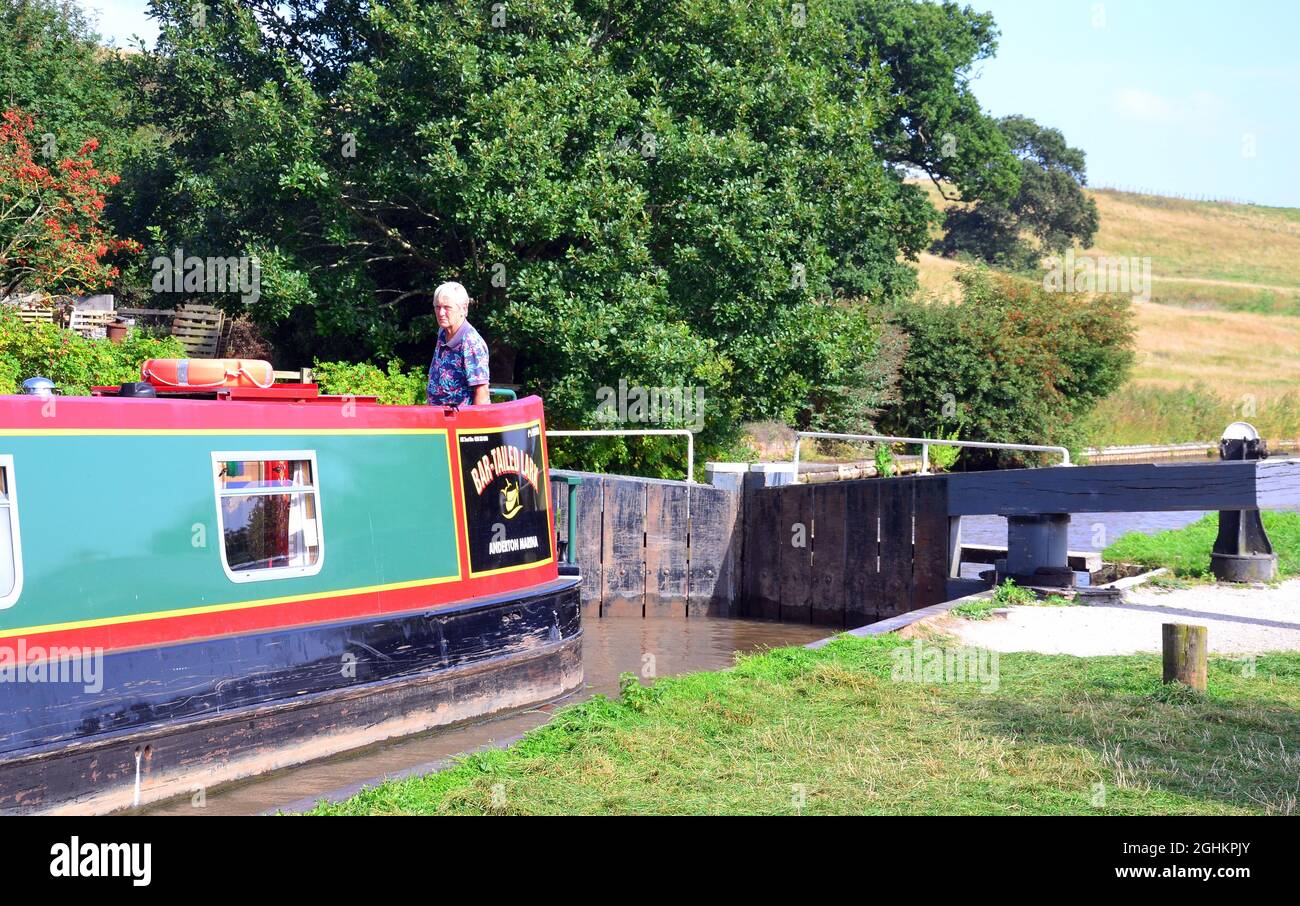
(509, 500)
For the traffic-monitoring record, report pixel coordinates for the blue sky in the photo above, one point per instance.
(1191, 97)
(1196, 97)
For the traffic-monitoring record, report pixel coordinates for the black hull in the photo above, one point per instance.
(209, 712)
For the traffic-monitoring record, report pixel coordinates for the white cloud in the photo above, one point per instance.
(1198, 107)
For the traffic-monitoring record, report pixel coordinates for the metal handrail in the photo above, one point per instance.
(926, 443)
(690, 440)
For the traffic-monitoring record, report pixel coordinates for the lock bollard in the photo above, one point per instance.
(1242, 552)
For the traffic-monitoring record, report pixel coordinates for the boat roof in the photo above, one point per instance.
(291, 407)
(283, 393)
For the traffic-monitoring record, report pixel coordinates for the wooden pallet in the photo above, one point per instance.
(152, 319)
(36, 314)
(92, 325)
(199, 328)
(301, 376)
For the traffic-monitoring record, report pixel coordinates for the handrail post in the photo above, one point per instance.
(574, 482)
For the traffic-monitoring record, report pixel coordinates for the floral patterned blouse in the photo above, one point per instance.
(458, 365)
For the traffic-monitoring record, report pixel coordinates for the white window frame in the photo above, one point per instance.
(9, 600)
(276, 572)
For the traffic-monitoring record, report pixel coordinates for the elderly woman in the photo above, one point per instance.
(458, 374)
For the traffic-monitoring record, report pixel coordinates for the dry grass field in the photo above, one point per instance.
(1223, 323)
(1234, 353)
(1198, 250)
(1231, 352)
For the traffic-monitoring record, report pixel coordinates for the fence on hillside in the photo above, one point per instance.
(1164, 193)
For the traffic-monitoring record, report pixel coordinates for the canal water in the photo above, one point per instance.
(647, 648)
(1088, 531)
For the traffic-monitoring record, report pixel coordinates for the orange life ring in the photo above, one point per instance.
(208, 374)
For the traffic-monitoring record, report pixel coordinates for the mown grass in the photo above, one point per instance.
(833, 731)
(1186, 551)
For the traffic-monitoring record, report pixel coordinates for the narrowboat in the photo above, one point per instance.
(200, 583)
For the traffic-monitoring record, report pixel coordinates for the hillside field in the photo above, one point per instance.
(1219, 338)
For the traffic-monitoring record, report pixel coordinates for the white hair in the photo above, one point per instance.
(457, 293)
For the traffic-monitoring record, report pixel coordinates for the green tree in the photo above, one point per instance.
(1012, 362)
(51, 236)
(1048, 213)
(53, 68)
(934, 122)
(664, 192)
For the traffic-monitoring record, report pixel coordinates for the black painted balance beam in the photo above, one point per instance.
(1038, 502)
(1140, 488)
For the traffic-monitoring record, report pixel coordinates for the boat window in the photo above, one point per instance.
(11, 560)
(269, 511)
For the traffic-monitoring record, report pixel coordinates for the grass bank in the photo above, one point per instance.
(1186, 551)
(846, 729)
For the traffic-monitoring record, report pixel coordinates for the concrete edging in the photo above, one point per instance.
(893, 624)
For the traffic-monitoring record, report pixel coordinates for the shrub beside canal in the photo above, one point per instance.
(852, 728)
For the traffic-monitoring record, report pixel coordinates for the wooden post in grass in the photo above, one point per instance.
(1184, 654)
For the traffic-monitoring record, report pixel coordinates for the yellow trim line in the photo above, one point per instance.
(217, 608)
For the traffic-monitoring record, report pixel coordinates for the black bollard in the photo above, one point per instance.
(1242, 552)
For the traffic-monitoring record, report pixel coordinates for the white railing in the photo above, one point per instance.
(690, 440)
(926, 443)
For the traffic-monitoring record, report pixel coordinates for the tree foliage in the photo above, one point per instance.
(935, 123)
(665, 192)
(51, 233)
(1011, 362)
(53, 67)
(1048, 213)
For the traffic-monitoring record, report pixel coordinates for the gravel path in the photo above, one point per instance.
(1241, 621)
